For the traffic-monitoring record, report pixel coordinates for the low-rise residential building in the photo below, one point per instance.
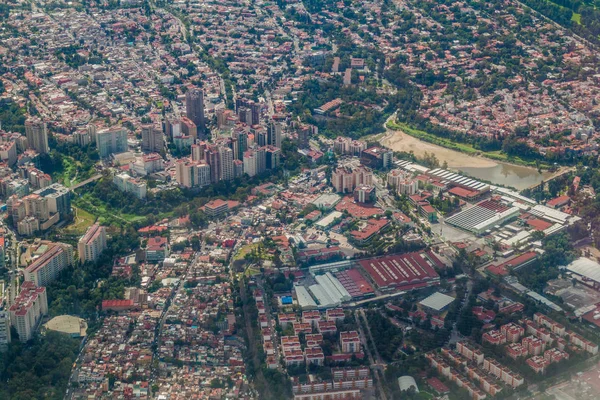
(350, 342)
(157, 249)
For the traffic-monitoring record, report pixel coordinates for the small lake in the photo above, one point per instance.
(515, 176)
(496, 172)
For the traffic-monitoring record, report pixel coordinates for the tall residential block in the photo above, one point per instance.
(249, 161)
(28, 309)
(261, 160)
(92, 244)
(213, 158)
(274, 134)
(194, 108)
(4, 318)
(36, 132)
(192, 173)
(152, 139)
(111, 141)
(272, 157)
(242, 144)
(227, 172)
(59, 198)
(198, 151)
(248, 111)
(45, 268)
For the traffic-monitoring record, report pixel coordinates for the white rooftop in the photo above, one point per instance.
(437, 301)
(586, 268)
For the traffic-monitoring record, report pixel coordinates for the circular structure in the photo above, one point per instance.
(69, 325)
(406, 382)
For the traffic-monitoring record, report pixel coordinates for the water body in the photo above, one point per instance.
(496, 172)
(511, 175)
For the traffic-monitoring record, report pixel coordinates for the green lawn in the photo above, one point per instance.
(247, 249)
(83, 220)
(251, 271)
(243, 251)
(425, 395)
(69, 172)
(576, 18)
(105, 216)
(72, 172)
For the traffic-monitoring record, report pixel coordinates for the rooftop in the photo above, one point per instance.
(437, 301)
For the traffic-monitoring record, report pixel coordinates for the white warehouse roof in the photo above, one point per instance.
(437, 301)
(324, 299)
(406, 382)
(305, 301)
(585, 267)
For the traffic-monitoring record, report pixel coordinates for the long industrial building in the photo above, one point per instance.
(483, 216)
(327, 292)
(403, 271)
(588, 270)
(333, 287)
(447, 177)
(323, 297)
(305, 300)
(459, 180)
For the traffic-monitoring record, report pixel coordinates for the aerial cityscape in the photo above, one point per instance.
(299, 199)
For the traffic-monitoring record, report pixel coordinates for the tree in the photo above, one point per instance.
(39, 370)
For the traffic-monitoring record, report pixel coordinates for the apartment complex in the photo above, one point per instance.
(180, 129)
(345, 180)
(45, 268)
(4, 319)
(28, 309)
(128, 184)
(152, 139)
(350, 342)
(248, 111)
(92, 244)
(377, 158)
(34, 212)
(36, 132)
(347, 146)
(191, 173)
(111, 141)
(59, 198)
(194, 107)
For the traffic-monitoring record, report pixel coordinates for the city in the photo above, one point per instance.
(299, 199)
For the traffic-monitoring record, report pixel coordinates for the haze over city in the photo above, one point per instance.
(299, 199)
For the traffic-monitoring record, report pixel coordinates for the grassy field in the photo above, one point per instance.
(105, 216)
(83, 220)
(251, 271)
(72, 172)
(425, 395)
(576, 18)
(249, 248)
(69, 172)
(245, 250)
